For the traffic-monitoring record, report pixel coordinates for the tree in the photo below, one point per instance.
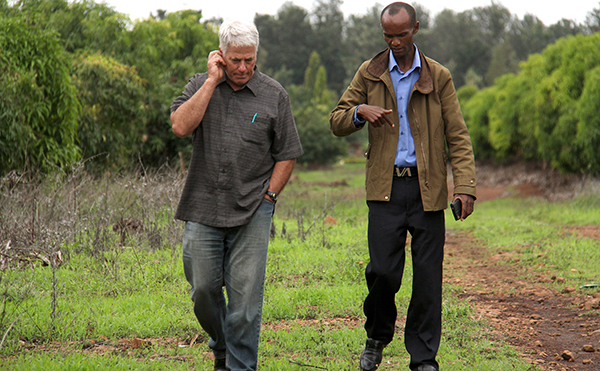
(528, 36)
(504, 60)
(39, 108)
(328, 31)
(567, 64)
(113, 116)
(588, 127)
(167, 53)
(311, 104)
(423, 16)
(493, 22)
(364, 39)
(442, 44)
(592, 21)
(285, 43)
(476, 105)
(562, 28)
(546, 112)
(81, 24)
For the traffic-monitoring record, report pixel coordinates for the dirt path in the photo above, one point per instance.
(558, 331)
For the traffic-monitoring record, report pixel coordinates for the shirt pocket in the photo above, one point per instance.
(258, 131)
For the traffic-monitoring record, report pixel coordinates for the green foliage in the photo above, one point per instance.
(503, 61)
(167, 53)
(488, 40)
(39, 108)
(476, 106)
(466, 92)
(545, 112)
(113, 115)
(588, 127)
(328, 24)
(541, 104)
(285, 43)
(81, 24)
(568, 61)
(311, 104)
(505, 138)
(364, 39)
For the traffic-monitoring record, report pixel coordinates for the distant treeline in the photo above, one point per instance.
(82, 82)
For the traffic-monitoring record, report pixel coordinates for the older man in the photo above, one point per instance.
(409, 104)
(245, 144)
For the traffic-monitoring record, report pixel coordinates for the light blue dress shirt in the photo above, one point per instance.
(403, 85)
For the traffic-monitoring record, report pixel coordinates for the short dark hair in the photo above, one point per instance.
(395, 8)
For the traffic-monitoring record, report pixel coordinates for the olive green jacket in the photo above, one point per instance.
(437, 126)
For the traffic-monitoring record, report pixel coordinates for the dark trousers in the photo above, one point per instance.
(389, 223)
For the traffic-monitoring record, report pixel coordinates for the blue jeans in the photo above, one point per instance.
(234, 258)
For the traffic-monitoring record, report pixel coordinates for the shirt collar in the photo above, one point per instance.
(253, 84)
(416, 62)
(254, 81)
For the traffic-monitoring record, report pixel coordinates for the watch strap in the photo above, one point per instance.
(272, 195)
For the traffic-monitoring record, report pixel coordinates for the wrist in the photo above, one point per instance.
(272, 196)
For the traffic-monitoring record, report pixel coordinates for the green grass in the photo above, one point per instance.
(536, 232)
(54, 319)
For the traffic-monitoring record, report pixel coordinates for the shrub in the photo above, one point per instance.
(39, 108)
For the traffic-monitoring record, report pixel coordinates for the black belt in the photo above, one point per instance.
(405, 171)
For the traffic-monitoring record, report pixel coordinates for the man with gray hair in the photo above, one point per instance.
(245, 144)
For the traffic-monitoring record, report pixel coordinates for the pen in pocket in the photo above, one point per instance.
(254, 118)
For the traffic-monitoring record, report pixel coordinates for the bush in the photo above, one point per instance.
(39, 107)
(476, 114)
(547, 112)
(113, 117)
(588, 128)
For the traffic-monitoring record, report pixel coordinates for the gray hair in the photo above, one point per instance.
(238, 33)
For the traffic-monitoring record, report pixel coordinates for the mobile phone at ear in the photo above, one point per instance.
(456, 207)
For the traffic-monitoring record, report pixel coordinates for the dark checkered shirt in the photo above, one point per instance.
(235, 147)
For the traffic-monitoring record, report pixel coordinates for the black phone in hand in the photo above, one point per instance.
(456, 207)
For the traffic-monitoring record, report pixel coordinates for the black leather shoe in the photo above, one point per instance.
(372, 355)
(427, 368)
(220, 365)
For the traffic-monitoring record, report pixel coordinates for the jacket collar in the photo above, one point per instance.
(378, 67)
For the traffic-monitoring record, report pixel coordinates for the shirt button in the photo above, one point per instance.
(387, 197)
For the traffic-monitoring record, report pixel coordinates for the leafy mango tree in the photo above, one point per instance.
(557, 119)
(168, 52)
(38, 105)
(588, 126)
(113, 115)
(476, 106)
(547, 112)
